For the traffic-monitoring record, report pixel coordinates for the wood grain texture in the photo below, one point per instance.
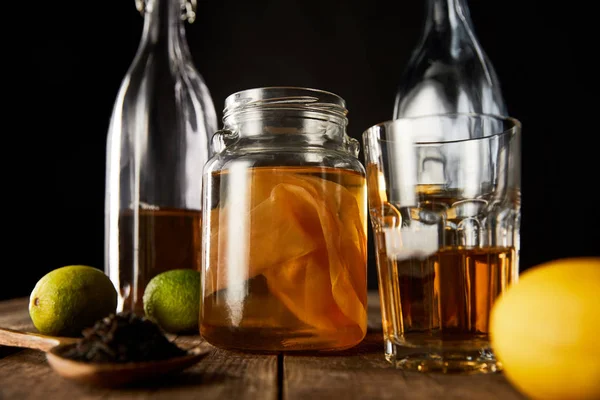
(363, 373)
(221, 375)
(359, 373)
(14, 314)
(15, 338)
(25, 374)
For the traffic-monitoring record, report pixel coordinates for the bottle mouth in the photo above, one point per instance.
(319, 103)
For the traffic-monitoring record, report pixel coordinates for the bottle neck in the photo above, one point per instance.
(447, 15)
(164, 27)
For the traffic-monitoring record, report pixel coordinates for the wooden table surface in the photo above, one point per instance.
(358, 373)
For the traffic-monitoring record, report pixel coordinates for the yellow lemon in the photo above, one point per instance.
(545, 330)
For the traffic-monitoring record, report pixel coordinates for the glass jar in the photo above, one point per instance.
(284, 250)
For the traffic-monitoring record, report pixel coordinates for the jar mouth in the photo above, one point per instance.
(280, 98)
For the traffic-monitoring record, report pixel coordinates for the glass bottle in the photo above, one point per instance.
(448, 71)
(284, 234)
(158, 142)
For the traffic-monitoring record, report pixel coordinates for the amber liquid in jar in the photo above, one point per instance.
(285, 263)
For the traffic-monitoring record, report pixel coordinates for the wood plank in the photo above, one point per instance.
(363, 372)
(10, 306)
(14, 314)
(221, 375)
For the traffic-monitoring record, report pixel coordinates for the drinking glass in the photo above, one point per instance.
(446, 226)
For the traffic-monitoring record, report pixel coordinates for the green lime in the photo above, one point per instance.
(172, 300)
(71, 298)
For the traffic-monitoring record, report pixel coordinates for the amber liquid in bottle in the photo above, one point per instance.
(168, 239)
(286, 260)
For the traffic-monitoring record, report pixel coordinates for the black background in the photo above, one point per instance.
(77, 52)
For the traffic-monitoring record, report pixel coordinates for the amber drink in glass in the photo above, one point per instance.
(446, 225)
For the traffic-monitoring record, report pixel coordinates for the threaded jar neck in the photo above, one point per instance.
(289, 110)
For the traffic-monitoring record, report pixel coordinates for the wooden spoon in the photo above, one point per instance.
(101, 374)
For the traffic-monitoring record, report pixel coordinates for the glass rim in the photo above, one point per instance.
(284, 98)
(516, 126)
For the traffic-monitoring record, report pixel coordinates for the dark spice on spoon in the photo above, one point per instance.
(123, 337)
